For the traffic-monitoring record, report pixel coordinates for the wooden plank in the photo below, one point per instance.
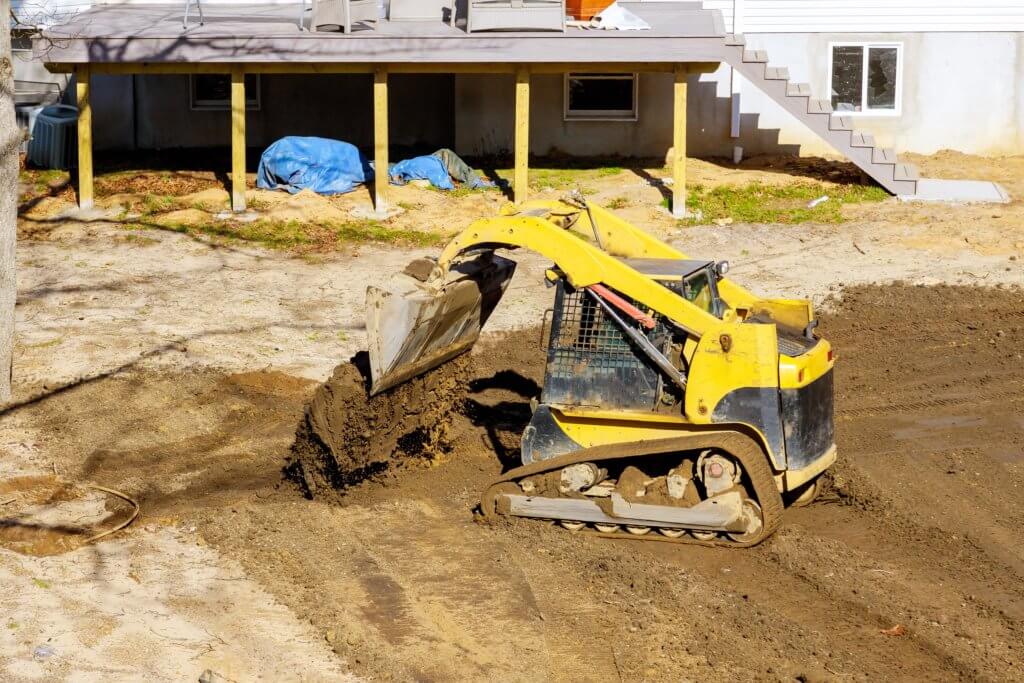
(883, 155)
(679, 93)
(493, 49)
(521, 179)
(157, 68)
(83, 80)
(798, 90)
(238, 138)
(380, 139)
(906, 172)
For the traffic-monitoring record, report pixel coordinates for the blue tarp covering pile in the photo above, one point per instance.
(335, 167)
(319, 164)
(422, 168)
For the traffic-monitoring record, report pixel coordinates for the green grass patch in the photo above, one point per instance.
(786, 204)
(457, 192)
(153, 204)
(563, 178)
(298, 235)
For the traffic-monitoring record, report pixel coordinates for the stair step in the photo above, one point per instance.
(776, 73)
(841, 123)
(798, 90)
(736, 39)
(819, 107)
(755, 56)
(883, 155)
(906, 172)
(860, 139)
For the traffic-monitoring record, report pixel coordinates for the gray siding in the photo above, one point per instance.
(336, 106)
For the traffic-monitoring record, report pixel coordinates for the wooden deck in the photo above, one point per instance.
(680, 32)
(243, 39)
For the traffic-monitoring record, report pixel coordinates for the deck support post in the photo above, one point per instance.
(380, 139)
(238, 138)
(83, 79)
(521, 178)
(679, 142)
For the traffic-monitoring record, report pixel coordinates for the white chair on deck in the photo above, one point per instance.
(421, 10)
(341, 13)
(184, 19)
(516, 15)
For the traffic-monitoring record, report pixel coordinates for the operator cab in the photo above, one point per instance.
(693, 279)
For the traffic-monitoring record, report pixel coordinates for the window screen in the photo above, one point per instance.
(213, 91)
(597, 96)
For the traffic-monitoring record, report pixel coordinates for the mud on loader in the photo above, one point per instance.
(674, 400)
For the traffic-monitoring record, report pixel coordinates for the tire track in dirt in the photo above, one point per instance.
(1006, 397)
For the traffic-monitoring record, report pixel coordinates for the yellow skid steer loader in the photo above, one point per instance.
(673, 400)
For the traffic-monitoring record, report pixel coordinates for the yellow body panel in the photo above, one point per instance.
(723, 355)
(813, 364)
(750, 361)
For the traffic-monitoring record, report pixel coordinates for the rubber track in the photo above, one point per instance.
(1011, 396)
(740, 446)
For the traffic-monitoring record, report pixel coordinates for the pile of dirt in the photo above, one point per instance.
(345, 437)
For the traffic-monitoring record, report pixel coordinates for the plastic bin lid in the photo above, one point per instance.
(61, 112)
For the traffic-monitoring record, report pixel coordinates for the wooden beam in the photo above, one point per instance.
(679, 142)
(521, 179)
(83, 79)
(380, 139)
(170, 68)
(238, 138)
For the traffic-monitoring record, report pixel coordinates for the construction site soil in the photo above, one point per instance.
(910, 566)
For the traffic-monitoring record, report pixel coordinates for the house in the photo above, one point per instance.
(866, 79)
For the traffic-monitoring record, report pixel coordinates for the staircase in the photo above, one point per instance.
(878, 162)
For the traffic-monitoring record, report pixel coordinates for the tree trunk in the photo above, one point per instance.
(10, 140)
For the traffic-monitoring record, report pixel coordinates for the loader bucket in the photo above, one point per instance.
(416, 323)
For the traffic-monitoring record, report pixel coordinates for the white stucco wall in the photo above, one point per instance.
(962, 91)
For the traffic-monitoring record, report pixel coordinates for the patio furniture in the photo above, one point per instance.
(341, 13)
(421, 10)
(516, 15)
(184, 18)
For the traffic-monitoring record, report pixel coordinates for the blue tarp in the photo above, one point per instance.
(426, 168)
(325, 166)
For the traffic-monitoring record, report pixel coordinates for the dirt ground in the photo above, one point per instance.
(177, 371)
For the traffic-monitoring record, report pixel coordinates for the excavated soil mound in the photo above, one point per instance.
(346, 437)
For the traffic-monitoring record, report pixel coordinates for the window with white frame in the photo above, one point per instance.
(866, 78)
(213, 91)
(600, 97)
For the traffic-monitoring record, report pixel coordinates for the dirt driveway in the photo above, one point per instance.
(175, 370)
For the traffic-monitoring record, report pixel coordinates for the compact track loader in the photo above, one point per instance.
(673, 401)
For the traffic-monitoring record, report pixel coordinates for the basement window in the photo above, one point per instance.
(600, 97)
(213, 92)
(866, 78)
